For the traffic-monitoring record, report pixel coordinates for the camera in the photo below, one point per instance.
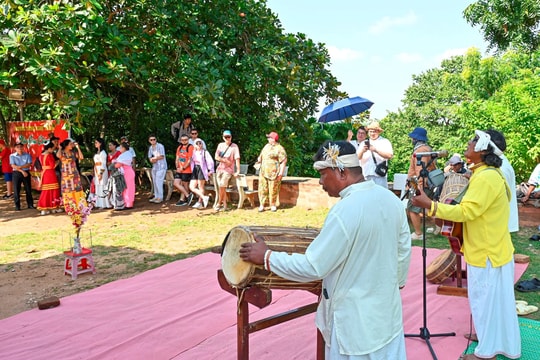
(366, 142)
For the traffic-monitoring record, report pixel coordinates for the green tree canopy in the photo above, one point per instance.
(467, 93)
(136, 66)
(507, 23)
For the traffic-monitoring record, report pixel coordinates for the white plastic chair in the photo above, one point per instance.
(400, 183)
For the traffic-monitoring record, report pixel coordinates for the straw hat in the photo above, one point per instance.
(374, 126)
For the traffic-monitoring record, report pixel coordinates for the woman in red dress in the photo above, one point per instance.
(114, 152)
(49, 199)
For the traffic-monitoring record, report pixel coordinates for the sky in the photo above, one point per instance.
(377, 46)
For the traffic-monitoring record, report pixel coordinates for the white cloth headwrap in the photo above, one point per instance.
(333, 160)
(484, 140)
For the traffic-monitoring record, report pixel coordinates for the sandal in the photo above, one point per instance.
(528, 285)
(525, 309)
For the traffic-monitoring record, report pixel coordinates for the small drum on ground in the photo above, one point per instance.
(242, 274)
(442, 267)
(453, 186)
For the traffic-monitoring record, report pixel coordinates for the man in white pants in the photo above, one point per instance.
(362, 254)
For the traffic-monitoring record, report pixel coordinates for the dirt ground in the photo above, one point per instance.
(24, 283)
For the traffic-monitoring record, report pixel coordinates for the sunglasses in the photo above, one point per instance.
(194, 133)
(227, 136)
(152, 139)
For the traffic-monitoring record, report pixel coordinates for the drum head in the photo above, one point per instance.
(442, 267)
(236, 270)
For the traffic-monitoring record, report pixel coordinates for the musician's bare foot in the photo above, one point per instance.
(471, 337)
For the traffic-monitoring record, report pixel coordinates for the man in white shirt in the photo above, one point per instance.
(361, 136)
(378, 150)
(362, 254)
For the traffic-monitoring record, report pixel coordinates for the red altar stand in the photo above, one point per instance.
(261, 298)
(76, 264)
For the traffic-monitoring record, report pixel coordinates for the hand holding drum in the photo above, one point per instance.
(253, 251)
(243, 253)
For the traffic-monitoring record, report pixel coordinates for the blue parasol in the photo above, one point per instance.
(345, 108)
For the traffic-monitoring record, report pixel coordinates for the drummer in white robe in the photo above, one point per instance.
(362, 254)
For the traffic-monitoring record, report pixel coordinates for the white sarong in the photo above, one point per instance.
(493, 308)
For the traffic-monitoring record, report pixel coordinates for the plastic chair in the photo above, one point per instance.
(400, 183)
(76, 264)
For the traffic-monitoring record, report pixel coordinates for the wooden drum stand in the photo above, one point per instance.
(261, 298)
(457, 290)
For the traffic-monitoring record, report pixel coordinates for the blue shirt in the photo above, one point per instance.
(159, 150)
(20, 160)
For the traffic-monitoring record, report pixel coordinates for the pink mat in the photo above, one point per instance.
(178, 311)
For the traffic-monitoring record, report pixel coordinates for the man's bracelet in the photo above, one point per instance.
(267, 259)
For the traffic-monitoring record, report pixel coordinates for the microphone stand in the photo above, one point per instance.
(424, 331)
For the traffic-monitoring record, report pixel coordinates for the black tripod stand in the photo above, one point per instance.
(424, 331)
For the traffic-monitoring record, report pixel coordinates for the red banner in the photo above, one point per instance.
(34, 134)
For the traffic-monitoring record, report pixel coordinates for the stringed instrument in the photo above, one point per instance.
(412, 191)
(454, 232)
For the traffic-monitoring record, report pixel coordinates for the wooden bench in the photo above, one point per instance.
(238, 186)
(243, 191)
(211, 188)
(168, 181)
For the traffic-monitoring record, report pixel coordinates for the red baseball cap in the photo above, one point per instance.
(274, 135)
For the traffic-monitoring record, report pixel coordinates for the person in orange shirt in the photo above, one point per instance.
(183, 171)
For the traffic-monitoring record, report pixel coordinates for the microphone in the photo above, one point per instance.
(434, 154)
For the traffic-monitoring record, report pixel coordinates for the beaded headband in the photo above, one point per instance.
(333, 160)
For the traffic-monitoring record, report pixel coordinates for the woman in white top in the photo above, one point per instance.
(101, 175)
(202, 166)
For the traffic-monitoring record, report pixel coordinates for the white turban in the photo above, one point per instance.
(484, 140)
(333, 160)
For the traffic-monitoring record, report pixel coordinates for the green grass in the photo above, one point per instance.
(522, 245)
(142, 240)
